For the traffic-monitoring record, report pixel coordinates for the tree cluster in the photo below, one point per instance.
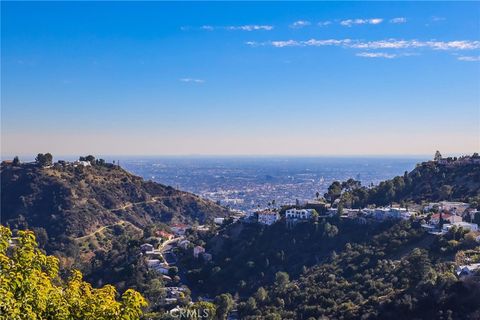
(30, 287)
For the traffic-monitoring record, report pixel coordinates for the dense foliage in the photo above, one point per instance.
(246, 256)
(429, 181)
(339, 269)
(393, 276)
(30, 287)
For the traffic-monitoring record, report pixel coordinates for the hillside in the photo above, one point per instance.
(339, 269)
(247, 255)
(72, 202)
(377, 279)
(429, 181)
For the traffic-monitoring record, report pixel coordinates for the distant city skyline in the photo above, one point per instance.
(227, 78)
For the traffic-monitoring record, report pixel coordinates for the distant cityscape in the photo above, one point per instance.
(246, 184)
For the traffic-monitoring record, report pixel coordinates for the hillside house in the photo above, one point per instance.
(219, 220)
(302, 214)
(179, 229)
(447, 206)
(453, 207)
(164, 235)
(268, 217)
(184, 244)
(464, 225)
(197, 251)
(146, 247)
(388, 213)
(468, 270)
(451, 218)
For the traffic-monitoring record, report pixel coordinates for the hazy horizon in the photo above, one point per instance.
(126, 157)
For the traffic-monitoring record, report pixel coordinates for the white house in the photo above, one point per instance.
(468, 269)
(464, 225)
(332, 212)
(184, 244)
(455, 207)
(197, 250)
(152, 263)
(400, 213)
(381, 213)
(407, 214)
(218, 220)
(298, 213)
(146, 247)
(268, 217)
(351, 213)
(82, 163)
(161, 269)
(179, 229)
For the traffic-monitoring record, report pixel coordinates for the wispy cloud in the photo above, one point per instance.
(406, 44)
(208, 28)
(374, 45)
(287, 43)
(300, 24)
(250, 27)
(295, 43)
(377, 55)
(396, 48)
(327, 42)
(398, 20)
(247, 27)
(351, 22)
(324, 23)
(192, 80)
(437, 19)
(469, 58)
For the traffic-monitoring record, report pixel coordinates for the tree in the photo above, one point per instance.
(251, 305)
(282, 279)
(437, 156)
(30, 287)
(201, 310)
(446, 191)
(44, 160)
(330, 231)
(334, 191)
(173, 271)
(155, 292)
(340, 210)
(41, 236)
(261, 294)
(476, 218)
(90, 159)
(224, 304)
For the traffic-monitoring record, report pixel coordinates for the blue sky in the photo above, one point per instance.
(151, 78)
